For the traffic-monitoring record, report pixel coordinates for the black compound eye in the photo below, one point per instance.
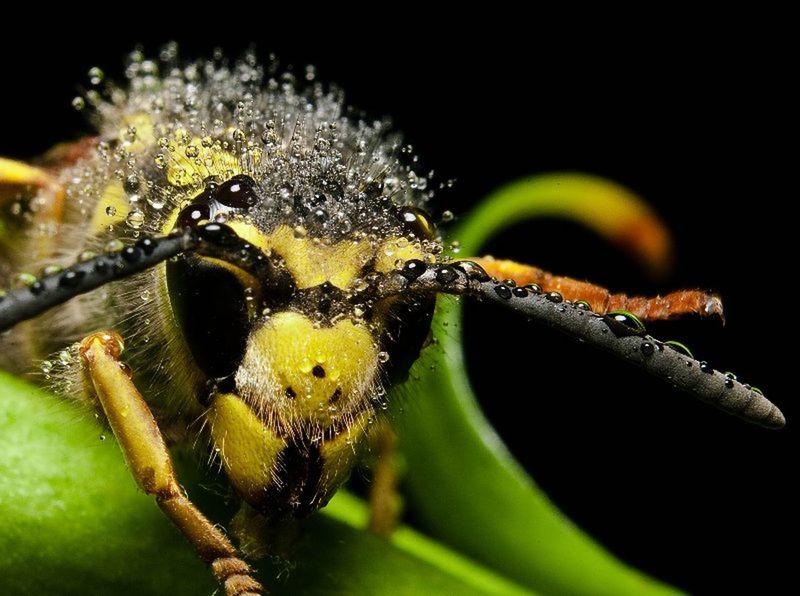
(238, 192)
(210, 305)
(417, 221)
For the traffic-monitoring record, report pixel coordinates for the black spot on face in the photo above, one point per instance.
(290, 393)
(318, 372)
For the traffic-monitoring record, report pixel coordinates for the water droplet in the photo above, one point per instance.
(95, 75)
(64, 357)
(447, 216)
(647, 348)
(520, 292)
(383, 357)
(446, 275)
(25, 280)
(624, 323)
(115, 245)
(191, 151)
(51, 270)
(503, 291)
(729, 383)
(78, 103)
(131, 254)
(583, 305)
(135, 219)
(102, 437)
(473, 270)
(554, 297)
(156, 202)
(46, 366)
(413, 269)
(88, 255)
(679, 347)
(534, 288)
(71, 279)
(706, 367)
(131, 184)
(145, 296)
(111, 211)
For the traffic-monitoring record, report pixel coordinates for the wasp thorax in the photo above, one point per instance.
(301, 372)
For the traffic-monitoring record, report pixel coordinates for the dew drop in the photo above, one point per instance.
(78, 103)
(135, 219)
(534, 288)
(115, 245)
(46, 366)
(503, 291)
(446, 275)
(447, 216)
(383, 357)
(679, 347)
(520, 292)
(554, 297)
(706, 367)
(647, 348)
(51, 270)
(624, 323)
(95, 75)
(413, 269)
(25, 280)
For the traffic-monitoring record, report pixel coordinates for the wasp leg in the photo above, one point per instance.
(150, 463)
(601, 301)
(384, 499)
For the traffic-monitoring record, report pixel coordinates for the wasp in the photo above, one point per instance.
(241, 259)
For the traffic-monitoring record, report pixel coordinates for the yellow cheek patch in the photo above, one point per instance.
(311, 262)
(112, 208)
(249, 450)
(315, 372)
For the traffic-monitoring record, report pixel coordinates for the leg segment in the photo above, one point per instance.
(383, 494)
(150, 463)
(671, 306)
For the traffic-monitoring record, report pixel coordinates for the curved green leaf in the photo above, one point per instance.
(463, 481)
(72, 522)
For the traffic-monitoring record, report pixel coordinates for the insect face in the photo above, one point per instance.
(267, 258)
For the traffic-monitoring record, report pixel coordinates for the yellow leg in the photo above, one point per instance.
(384, 500)
(150, 463)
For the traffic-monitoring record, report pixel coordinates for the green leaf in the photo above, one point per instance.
(72, 522)
(463, 482)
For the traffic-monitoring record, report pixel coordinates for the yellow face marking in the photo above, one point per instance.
(249, 450)
(301, 372)
(111, 209)
(310, 261)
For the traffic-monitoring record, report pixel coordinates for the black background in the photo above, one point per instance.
(695, 117)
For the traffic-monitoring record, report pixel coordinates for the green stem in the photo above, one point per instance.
(462, 480)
